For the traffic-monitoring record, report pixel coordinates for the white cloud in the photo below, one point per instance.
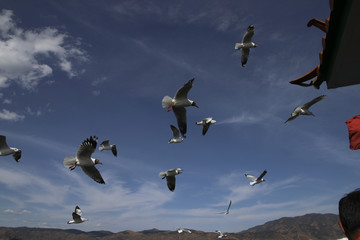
(219, 16)
(20, 50)
(11, 116)
(7, 101)
(96, 92)
(17, 212)
(98, 81)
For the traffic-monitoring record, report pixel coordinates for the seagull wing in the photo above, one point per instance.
(205, 129)
(105, 143)
(180, 114)
(292, 118)
(3, 144)
(244, 56)
(250, 177)
(17, 155)
(228, 207)
(262, 175)
(175, 131)
(315, 100)
(114, 150)
(85, 150)
(248, 35)
(92, 172)
(78, 210)
(171, 182)
(183, 91)
(76, 217)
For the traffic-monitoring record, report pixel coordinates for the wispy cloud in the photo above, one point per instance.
(19, 51)
(16, 212)
(221, 17)
(11, 116)
(244, 118)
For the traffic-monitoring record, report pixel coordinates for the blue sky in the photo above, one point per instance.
(75, 69)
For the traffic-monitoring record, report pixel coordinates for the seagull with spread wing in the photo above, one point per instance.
(106, 146)
(176, 135)
(227, 211)
(206, 122)
(246, 45)
(178, 104)
(256, 180)
(304, 109)
(85, 161)
(181, 230)
(76, 215)
(170, 177)
(221, 235)
(5, 150)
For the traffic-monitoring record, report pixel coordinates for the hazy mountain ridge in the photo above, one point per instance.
(310, 226)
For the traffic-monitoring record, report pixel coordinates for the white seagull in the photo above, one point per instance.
(178, 104)
(221, 235)
(170, 177)
(5, 150)
(256, 180)
(176, 135)
(76, 215)
(246, 45)
(206, 122)
(227, 211)
(106, 146)
(181, 230)
(304, 109)
(85, 161)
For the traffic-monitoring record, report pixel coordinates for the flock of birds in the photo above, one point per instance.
(177, 104)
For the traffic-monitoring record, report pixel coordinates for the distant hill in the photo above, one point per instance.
(310, 226)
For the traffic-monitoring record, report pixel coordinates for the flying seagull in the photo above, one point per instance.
(5, 150)
(176, 135)
(256, 180)
(181, 230)
(221, 235)
(304, 109)
(206, 122)
(170, 177)
(76, 215)
(227, 211)
(246, 45)
(178, 104)
(106, 146)
(85, 161)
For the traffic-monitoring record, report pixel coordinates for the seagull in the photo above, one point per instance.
(227, 211)
(106, 146)
(76, 215)
(178, 104)
(246, 45)
(256, 180)
(181, 230)
(176, 135)
(304, 109)
(221, 235)
(170, 177)
(85, 161)
(206, 122)
(5, 150)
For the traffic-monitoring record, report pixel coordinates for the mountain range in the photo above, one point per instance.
(310, 226)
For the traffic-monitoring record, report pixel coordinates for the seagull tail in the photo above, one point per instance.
(238, 45)
(162, 174)
(69, 161)
(167, 102)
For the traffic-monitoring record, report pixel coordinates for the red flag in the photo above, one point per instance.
(353, 125)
